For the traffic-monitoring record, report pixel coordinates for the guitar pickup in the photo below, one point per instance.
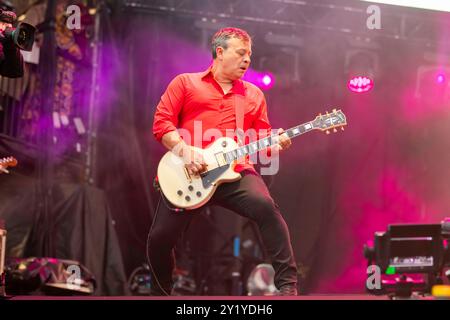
(220, 158)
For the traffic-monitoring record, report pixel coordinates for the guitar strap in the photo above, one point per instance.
(239, 109)
(239, 105)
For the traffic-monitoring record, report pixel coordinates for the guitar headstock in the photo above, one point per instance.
(7, 162)
(333, 120)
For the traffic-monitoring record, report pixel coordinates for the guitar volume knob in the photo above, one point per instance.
(187, 198)
(191, 188)
(199, 194)
(179, 192)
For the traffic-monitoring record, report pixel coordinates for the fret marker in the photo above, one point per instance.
(308, 126)
(295, 131)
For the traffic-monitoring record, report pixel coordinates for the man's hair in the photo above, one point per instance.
(220, 39)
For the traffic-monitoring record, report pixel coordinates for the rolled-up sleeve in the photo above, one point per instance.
(169, 107)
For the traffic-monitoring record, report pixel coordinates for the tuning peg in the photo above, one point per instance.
(334, 130)
(342, 128)
(327, 132)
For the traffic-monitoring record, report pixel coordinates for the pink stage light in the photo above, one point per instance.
(263, 80)
(360, 84)
(440, 79)
(266, 80)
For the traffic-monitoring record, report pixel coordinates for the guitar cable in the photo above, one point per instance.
(148, 249)
(169, 207)
(148, 238)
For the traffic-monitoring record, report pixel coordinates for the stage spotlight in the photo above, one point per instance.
(263, 80)
(267, 80)
(360, 84)
(360, 69)
(432, 85)
(49, 276)
(261, 281)
(440, 78)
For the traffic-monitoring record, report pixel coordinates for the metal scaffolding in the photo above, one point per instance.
(343, 16)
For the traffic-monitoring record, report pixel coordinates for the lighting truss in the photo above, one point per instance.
(343, 16)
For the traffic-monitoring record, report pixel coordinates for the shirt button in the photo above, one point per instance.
(221, 107)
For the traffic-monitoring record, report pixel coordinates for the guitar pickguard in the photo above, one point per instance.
(210, 176)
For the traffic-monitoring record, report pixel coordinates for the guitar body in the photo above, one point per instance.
(191, 192)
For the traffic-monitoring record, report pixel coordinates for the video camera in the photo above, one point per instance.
(411, 257)
(22, 36)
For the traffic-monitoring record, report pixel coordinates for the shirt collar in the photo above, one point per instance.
(206, 72)
(238, 85)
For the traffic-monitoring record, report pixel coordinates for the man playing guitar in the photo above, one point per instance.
(209, 98)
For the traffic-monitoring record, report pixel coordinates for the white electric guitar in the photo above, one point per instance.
(192, 191)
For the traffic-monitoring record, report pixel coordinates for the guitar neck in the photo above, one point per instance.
(266, 142)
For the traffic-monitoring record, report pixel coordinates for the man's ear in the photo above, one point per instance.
(219, 52)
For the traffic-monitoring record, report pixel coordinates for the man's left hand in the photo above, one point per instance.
(284, 142)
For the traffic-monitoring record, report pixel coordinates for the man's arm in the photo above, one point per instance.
(171, 139)
(165, 126)
(166, 115)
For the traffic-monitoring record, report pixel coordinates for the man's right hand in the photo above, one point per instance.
(192, 157)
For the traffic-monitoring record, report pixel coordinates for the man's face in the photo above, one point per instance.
(235, 60)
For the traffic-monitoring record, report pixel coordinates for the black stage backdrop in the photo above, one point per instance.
(81, 222)
(334, 191)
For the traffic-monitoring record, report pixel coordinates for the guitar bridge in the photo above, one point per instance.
(188, 176)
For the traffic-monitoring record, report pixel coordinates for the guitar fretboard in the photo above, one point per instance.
(266, 142)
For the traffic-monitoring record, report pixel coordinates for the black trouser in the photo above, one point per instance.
(248, 197)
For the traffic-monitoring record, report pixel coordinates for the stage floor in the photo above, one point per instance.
(307, 297)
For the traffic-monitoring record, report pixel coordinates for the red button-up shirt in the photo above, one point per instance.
(195, 103)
